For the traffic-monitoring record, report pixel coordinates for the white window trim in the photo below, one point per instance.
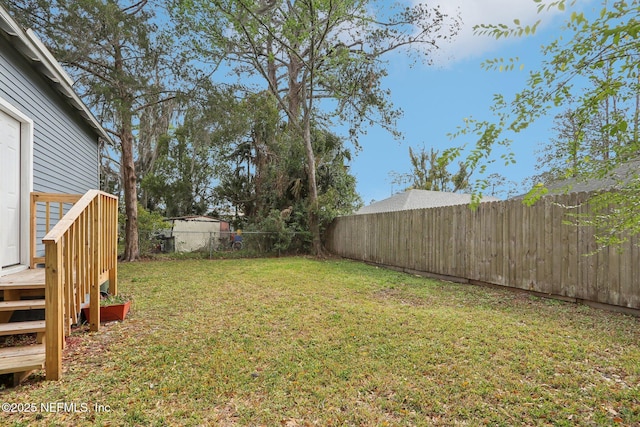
(26, 181)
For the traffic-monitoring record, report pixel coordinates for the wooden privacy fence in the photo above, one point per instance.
(502, 243)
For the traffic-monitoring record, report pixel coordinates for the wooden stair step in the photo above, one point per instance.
(27, 279)
(25, 304)
(15, 328)
(21, 359)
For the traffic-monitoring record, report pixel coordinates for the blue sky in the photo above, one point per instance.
(435, 99)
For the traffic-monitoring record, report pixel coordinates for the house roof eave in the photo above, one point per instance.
(31, 48)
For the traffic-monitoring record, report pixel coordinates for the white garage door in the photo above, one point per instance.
(9, 190)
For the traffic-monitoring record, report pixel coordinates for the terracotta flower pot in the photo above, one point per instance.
(110, 312)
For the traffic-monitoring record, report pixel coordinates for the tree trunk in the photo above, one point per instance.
(293, 93)
(294, 105)
(128, 167)
(314, 208)
(132, 249)
(272, 78)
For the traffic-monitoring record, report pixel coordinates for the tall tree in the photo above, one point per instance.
(592, 70)
(564, 156)
(180, 183)
(430, 171)
(580, 145)
(186, 161)
(121, 64)
(264, 171)
(308, 50)
(253, 166)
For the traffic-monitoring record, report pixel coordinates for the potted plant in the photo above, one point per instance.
(112, 307)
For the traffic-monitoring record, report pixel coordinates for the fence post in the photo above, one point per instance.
(210, 244)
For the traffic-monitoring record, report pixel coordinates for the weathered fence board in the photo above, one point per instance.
(534, 248)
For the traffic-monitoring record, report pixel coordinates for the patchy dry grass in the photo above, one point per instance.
(297, 341)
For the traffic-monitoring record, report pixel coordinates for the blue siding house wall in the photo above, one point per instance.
(65, 148)
(58, 135)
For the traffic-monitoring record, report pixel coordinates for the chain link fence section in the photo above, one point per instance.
(208, 244)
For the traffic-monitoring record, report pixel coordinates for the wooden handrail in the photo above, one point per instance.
(48, 199)
(80, 254)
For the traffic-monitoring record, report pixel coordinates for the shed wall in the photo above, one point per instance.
(196, 234)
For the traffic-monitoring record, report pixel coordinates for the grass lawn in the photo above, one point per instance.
(295, 341)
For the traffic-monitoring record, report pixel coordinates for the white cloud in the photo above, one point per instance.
(475, 12)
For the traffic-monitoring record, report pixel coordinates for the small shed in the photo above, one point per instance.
(193, 233)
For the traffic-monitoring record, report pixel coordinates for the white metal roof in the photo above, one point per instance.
(420, 199)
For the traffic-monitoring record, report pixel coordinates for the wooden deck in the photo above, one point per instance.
(26, 279)
(18, 291)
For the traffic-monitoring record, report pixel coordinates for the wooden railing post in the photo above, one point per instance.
(94, 288)
(113, 280)
(54, 335)
(112, 247)
(32, 231)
